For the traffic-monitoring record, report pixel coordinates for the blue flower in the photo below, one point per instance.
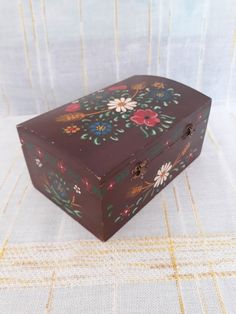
(100, 128)
(163, 94)
(59, 186)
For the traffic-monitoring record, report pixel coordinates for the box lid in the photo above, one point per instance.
(110, 126)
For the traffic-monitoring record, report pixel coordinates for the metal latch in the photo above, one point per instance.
(139, 169)
(188, 130)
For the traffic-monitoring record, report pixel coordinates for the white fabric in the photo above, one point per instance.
(177, 255)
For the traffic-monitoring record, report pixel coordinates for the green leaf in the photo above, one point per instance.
(134, 210)
(128, 124)
(144, 131)
(125, 115)
(110, 206)
(114, 138)
(84, 136)
(120, 130)
(153, 132)
(117, 219)
(165, 126)
(97, 141)
(78, 213)
(124, 94)
(139, 200)
(166, 116)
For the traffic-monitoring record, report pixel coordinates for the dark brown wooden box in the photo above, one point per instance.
(102, 157)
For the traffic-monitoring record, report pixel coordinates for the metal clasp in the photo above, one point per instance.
(139, 169)
(188, 131)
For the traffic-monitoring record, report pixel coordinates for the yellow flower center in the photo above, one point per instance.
(160, 94)
(121, 104)
(163, 173)
(101, 127)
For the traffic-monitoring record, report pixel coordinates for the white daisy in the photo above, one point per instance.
(38, 162)
(122, 105)
(77, 189)
(162, 174)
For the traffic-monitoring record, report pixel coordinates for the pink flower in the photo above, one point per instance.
(61, 166)
(147, 117)
(125, 212)
(39, 152)
(111, 186)
(74, 106)
(120, 87)
(87, 184)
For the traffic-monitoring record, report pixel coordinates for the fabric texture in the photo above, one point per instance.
(177, 255)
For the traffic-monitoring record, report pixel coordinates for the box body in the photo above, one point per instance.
(102, 157)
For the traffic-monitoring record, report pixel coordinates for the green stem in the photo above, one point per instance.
(145, 132)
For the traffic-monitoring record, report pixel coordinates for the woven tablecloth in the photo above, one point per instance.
(177, 255)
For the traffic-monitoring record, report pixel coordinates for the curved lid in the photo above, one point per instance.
(107, 127)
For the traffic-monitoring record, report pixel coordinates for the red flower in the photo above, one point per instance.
(71, 129)
(147, 117)
(121, 87)
(61, 166)
(111, 186)
(87, 184)
(39, 152)
(74, 106)
(125, 212)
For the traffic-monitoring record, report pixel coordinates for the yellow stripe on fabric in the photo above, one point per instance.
(89, 262)
(48, 307)
(173, 258)
(201, 232)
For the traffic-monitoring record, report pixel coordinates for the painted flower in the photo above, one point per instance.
(71, 129)
(39, 152)
(122, 104)
(120, 87)
(38, 162)
(138, 86)
(135, 190)
(61, 166)
(111, 185)
(158, 85)
(162, 174)
(74, 106)
(126, 212)
(77, 189)
(147, 117)
(164, 95)
(100, 128)
(59, 186)
(87, 184)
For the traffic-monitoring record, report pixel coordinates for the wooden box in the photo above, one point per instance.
(102, 157)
